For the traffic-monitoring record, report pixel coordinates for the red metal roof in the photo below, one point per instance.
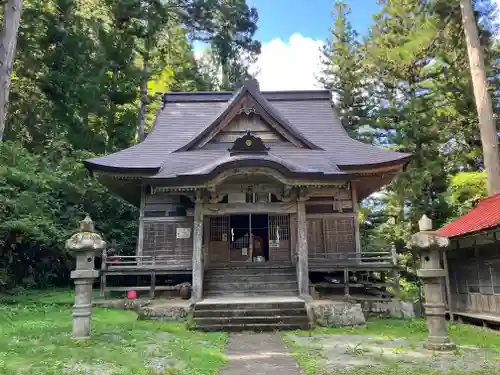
(485, 215)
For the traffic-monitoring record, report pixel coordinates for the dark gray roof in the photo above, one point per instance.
(187, 115)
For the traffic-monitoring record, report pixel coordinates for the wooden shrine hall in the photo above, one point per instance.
(267, 182)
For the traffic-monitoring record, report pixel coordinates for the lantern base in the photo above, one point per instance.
(440, 346)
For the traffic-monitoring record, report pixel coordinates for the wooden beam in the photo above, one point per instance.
(249, 208)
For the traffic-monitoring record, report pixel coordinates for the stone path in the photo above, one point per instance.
(259, 354)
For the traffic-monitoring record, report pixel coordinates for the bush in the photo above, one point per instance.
(42, 198)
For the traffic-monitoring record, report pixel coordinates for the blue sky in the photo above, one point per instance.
(292, 33)
(310, 18)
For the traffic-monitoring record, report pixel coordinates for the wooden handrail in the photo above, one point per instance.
(364, 257)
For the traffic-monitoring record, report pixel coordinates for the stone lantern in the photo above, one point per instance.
(429, 244)
(85, 244)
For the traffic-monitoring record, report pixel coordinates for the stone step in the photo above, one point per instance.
(250, 285)
(251, 320)
(251, 293)
(253, 327)
(271, 305)
(299, 311)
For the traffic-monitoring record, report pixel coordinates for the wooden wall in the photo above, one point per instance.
(162, 216)
(241, 124)
(331, 237)
(331, 232)
(160, 238)
(475, 279)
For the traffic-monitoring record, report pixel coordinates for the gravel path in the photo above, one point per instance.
(259, 354)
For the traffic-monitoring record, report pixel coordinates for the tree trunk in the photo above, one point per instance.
(143, 99)
(8, 40)
(487, 124)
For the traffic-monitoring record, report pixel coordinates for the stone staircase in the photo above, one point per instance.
(250, 281)
(251, 297)
(251, 314)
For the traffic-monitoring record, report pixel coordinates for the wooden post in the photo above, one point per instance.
(197, 279)
(357, 236)
(153, 280)
(103, 273)
(140, 237)
(346, 282)
(302, 250)
(448, 285)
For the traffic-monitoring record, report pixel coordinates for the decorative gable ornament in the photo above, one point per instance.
(248, 144)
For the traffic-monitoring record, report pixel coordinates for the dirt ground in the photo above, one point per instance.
(341, 352)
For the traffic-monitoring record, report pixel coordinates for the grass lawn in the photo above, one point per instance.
(35, 338)
(320, 350)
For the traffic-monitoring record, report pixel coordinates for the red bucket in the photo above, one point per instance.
(131, 294)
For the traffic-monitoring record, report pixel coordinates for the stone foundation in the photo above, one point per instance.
(123, 304)
(167, 309)
(388, 309)
(335, 314)
(173, 310)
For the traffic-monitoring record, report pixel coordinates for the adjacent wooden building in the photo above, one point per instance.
(248, 179)
(473, 262)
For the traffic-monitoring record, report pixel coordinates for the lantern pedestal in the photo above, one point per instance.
(82, 309)
(85, 244)
(429, 244)
(435, 309)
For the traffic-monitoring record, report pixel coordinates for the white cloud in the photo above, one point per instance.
(291, 65)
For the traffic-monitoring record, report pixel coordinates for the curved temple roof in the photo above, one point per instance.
(322, 147)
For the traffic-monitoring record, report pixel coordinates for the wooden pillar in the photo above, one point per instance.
(302, 250)
(355, 206)
(346, 282)
(104, 268)
(140, 236)
(197, 281)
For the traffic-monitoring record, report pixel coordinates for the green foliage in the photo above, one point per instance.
(83, 70)
(40, 202)
(344, 73)
(233, 44)
(407, 86)
(466, 188)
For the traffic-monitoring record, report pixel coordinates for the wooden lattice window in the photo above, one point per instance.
(219, 228)
(279, 228)
(495, 277)
(472, 277)
(239, 242)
